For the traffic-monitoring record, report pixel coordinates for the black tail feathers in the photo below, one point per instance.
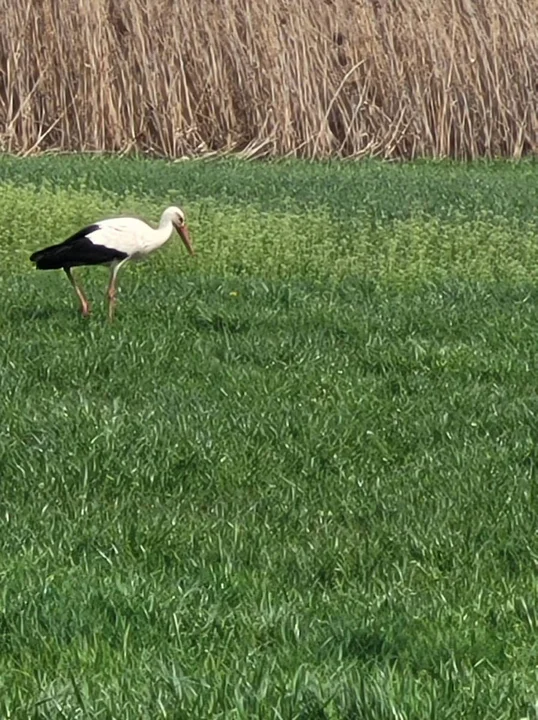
(50, 258)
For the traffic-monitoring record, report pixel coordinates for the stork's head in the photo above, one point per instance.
(177, 217)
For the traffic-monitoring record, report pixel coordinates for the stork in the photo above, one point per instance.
(111, 242)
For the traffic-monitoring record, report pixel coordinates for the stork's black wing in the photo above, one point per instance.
(79, 249)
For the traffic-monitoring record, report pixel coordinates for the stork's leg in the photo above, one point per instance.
(84, 304)
(114, 269)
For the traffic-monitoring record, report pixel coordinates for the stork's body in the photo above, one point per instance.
(111, 242)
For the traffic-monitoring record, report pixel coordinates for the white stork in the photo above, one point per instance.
(111, 242)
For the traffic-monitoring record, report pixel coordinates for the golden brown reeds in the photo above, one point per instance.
(392, 78)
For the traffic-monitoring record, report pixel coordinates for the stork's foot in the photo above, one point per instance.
(85, 310)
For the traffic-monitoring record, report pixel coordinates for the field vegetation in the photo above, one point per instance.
(442, 78)
(296, 478)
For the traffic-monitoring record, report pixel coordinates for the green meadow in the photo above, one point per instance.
(296, 477)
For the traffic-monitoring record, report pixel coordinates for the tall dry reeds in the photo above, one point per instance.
(395, 78)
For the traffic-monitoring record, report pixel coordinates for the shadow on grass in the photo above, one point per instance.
(22, 314)
(216, 322)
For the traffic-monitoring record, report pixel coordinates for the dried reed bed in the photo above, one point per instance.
(454, 78)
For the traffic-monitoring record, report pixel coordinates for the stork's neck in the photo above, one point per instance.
(166, 221)
(163, 232)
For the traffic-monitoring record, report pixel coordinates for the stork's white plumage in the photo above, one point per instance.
(111, 242)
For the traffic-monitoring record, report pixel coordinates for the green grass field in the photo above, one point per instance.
(296, 477)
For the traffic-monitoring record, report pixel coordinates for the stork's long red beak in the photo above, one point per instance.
(183, 231)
